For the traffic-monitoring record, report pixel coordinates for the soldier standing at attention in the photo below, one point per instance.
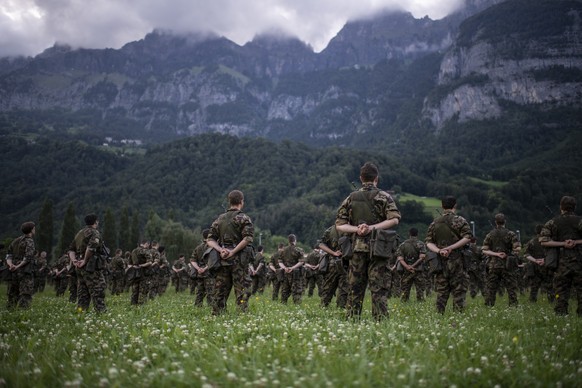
(336, 277)
(118, 272)
(276, 271)
(291, 263)
(20, 261)
(446, 236)
(141, 259)
(502, 246)
(85, 252)
(564, 233)
(359, 214)
(230, 234)
(411, 254)
(539, 276)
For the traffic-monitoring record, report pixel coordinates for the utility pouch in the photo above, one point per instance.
(91, 265)
(345, 244)
(552, 258)
(383, 244)
(511, 263)
(435, 265)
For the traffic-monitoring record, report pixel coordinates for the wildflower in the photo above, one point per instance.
(231, 376)
(515, 339)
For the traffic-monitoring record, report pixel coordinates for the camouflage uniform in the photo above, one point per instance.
(258, 280)
(410, 250)
(292, 283)
(568, 276)
(206, 279)
(118, 275)
(90, 278)
(164, 274)
(156, 274)
(277, 276)
(336, 277)
(140, 288)
(21, 285)
(501, 239)
(364, 270)
(312, 277)
(182, 275)
(61, 272)
(228, 230)
(40, 274)
(476, 271)
(443, 232)
(538, 276)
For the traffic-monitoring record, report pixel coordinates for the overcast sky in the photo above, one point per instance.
(27, 27)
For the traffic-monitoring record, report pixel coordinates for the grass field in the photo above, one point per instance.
(169, 343)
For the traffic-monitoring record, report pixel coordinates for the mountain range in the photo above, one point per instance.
(490, 93)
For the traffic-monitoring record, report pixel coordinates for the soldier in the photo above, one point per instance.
(257, 272)
(476, 270)
(156, 275)
(60, 272)
(446, 236)
(563, 235)
(180, 268)
(141, 259)
(230, 234)
(538, 275)
(360, 214)
(164, 270)
(312, 271)
(502, 246)
(203, 272)
(291, 263)
(336, 276)
(86, 252)
(118, 273)
(277, 272)
(410, 255)
(42, 271)
(20, 262)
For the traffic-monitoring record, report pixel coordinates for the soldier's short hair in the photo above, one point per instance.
(27, 227)
(90, 219)
(161, 249)
(500, 218)
(235, 197)
(413, 232)
(205, 233)
(118, 251)
(281, 245)
(292, 238)
(260, 248)
(448, 202)
(568, 203)
(369, 172)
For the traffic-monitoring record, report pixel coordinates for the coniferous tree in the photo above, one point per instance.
(109, 231)
(135, 231)
(68, 230)
(45, 228)
(124, 232)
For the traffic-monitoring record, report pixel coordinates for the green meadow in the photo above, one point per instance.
(169, 343)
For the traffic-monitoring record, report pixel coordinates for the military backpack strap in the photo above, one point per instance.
(363, 206)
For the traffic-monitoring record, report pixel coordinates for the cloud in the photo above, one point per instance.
(29, 26)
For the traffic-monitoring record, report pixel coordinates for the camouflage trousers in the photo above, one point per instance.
(140, 290)
(20, 290)
(335, 280)
(61, 284)
(91, 287)
(364, 271)
(452, 280)
(258, 284)
(117, 283)
(493, 283)
(409, 279)
(568, 276)
(73, 285)
(542, 279)
(233, 276)
(204, 289)
(476, 282)
(277, 281)
(292, 284)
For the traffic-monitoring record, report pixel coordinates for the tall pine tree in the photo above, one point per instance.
(68, 230)
(135, 230)
(124, 232)
(45, 229)
(109, 231)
